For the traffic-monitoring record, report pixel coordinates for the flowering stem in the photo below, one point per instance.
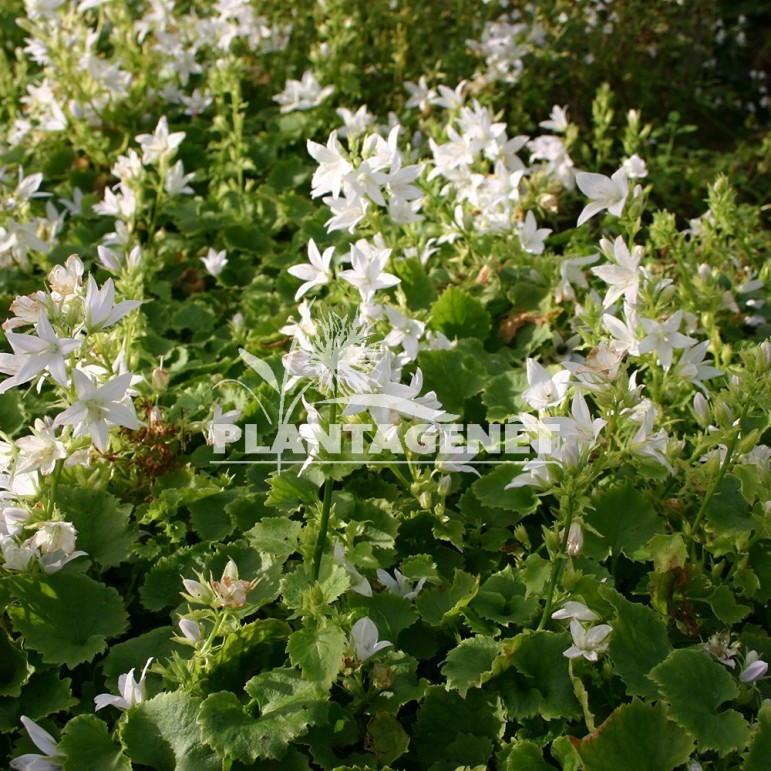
(214, 632)
(722, 472)
(326, 507)
(54, 487)
(558, 562)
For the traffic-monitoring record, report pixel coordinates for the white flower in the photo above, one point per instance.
(159, 144)
(302, 94)
(531, 237)
(754, 668)
(220, 429)
(364, 636)
(15, 556)
(54, 536)
(99, 407)
(605, 193)
(46, 351)
(624, 276)
(190, 630)
(317, 273)
(587, 643)
(575, 611)
(99, 310)
(131, 691)
(572, 274)
(545, 391)
(328, 178)
(635, 167)
(12, 519)
(41, 450)
(359, 584)
(663, 338)
(399, 584)
(367, 273)
(558, 120)
(176, 180)
(50, 760)
(404, 331)
(215, 261)
(691, 366)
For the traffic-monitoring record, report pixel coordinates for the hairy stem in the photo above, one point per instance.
(557, 565)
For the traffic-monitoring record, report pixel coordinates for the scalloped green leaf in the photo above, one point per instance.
(470, 664)
(66, 617)
(760, 748)
(695, 686)
(457, 314)
(87, 743)
(636, 737)
(102, 521)
(536, 680)
(318, 651)
(441, 603)
(162, 733)
(234, 734)
(639, 642)
(14, 667)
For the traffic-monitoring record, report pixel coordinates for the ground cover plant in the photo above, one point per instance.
(384, 385)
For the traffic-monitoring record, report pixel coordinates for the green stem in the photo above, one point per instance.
(721, 473)
(558, 563)
(214, 632)
(326, 508)
(54, 487)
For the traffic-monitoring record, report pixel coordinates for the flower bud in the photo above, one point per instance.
(445, 483)
(425, 499)
(159, 379)
(190, 630)
(723, 414)
(754, 668)
(764, 353)
(701, 408)
(54, 536)
(575, 539)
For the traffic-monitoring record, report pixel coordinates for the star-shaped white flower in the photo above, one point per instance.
(624, 276)
(604, 193)
(131, 691)
(317, 273)
(663, 338)
(531, 237)
(159, 144)
(99, 407)
(364, 639)
(587, 643)
(545, 390)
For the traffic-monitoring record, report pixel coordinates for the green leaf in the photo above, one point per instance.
(453, 374)
(535, 679)
(470, 664)
(275, 535)
(727, 511)
(102, 522)
(491, 491)
(501, 598)
(87, 743)
(636, 737)
(725, 606)
(458, 729)
(162, 733)
(760, 748)
(318, 651)
(289, 173)
(253, 647)
(397, 682)
(288, 492)
(695, 686)
(503, 395)
(625, 520)
(639, 642)
(233, 734)
(416, 285)
(522, 756)
(440, 604)
(133, 653)
(66, 617)
(192, 315)
(457, 314)
(45, 694)
(386, 739)
(14, 668)
(390, 613)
